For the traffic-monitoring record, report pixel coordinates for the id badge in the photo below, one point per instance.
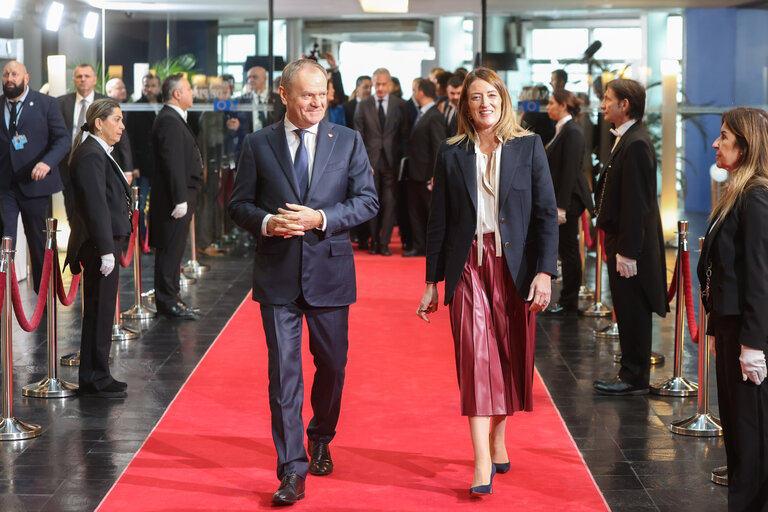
(19, 141)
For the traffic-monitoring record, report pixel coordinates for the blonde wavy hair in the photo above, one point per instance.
(750, 127)
(507, 127)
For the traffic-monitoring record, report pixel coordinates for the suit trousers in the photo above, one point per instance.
(419, 198)
(568, 248)
(386, 188)
(99, 300)
(168, 258)
(634, 316)
(34, 211)
(328, 341)
(744, 416)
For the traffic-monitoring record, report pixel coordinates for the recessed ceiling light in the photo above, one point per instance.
(389, 6)
(6, 8)
(90, 25)
(53, 20)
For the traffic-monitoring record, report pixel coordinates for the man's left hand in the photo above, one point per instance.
(303, 215)
(626, 267)
(40, 171)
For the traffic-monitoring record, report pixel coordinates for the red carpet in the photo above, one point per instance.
(401, 443)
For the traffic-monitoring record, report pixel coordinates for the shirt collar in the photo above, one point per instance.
(182, 113)
(561, 123)
(102, 143)
(88, 99)
(427, 107)
(290, 127)
(621, 130)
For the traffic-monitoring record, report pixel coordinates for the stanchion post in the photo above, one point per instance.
(51, 386)
(701, 424)
(598, 309)
(11, 429)
(677, 385)
(584, 291)
(120, 333)
(139, 311)
(193, 267)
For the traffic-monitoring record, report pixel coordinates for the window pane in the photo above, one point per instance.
(559, 43)
(622, 44)
(237, 47)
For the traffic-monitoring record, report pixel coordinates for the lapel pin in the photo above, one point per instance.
(330, 135)
(31, 103)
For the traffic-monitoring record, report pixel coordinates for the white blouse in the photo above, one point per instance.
(487, 198)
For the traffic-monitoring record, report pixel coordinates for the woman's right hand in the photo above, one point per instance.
(429, 301)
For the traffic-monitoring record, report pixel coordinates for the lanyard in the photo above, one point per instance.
(12, 120)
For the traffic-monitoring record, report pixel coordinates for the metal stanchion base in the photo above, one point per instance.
(597, 309)
(195, 268)
(586, 293)
(656, 358)
(609, 332)
(699, 425)
(149, 295)
(120, 333)
(12, 429)
(720, 475)
(50, 388)
(185, 281)
(74, 359)
(138, 312)
(675, 386)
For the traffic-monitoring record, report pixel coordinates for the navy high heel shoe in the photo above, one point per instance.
(483, 490)
(502, 467)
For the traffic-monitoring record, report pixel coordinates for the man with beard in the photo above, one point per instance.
(33, 140)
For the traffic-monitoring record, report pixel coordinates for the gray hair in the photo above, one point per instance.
(289, 72)
(170, 84)
(382, 71)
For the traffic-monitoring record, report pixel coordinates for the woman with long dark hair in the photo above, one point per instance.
(101, 226)
(492, 236)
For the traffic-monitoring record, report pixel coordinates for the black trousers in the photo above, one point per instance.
(328, 342)
(744, 416)
(383, 223)
(168, 258)
(419, 198)
(568, 247)
(634, 316)
(99, 300)
(34, 211)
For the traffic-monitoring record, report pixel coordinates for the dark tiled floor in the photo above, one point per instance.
(86, 443)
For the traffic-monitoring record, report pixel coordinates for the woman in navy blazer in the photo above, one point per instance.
(101, 225)
(732, 272)
(492, 235)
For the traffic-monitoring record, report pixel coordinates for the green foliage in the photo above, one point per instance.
(181, 64)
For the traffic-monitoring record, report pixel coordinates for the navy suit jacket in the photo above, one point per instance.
(318, 265)
(527, 213)
(47, 141)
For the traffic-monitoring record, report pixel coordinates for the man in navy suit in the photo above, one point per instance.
(301, 185)
(33, 140)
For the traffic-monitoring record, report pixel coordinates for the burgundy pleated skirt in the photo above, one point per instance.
(494, 336)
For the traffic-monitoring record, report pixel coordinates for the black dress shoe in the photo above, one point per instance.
(617, 387)
(384, 251)
(193, 309)
(290, 491)
(412, 253)
(320, 463)
(177, 311)
(112, 390)
(121, 385)
(558, 310)
(374, 248)
(363, 245)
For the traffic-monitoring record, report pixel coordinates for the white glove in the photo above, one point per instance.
(179, 211)
(626, 267)
(752, 363)
(107, 264)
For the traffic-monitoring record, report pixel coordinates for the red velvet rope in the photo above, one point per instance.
(66, 298)
(673, 285)
(125, 259)
(145, 240)
(18, 307)
(589, 243)
(2, 287)
(692, 327)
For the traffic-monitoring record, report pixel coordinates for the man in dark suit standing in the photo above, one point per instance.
(454, 93)
(627, 210)
(301, 185)
(33, 140)
(363, 86)
(175, 184)
(382, 121)
(427, 134)
(259, 93)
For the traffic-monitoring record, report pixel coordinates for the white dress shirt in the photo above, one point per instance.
(561, 123)
(384, 103)
(620, 131)
(179, 110)
(78, 99)
(19, 107)
(108, 150)
(487, 199)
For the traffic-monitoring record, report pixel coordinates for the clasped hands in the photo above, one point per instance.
(626, 267)
(294, 220)
(752, 363)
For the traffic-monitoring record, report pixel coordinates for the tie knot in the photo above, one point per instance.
(300, 133)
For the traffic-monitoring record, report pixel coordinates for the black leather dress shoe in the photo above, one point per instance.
(617, 387)
(363, 245)
(121, 385)
(177, 311)
(320, 463)
(374, 248)
(112, 390)
(194, 309)
(290, 491)
(384, 251)
(412, 253)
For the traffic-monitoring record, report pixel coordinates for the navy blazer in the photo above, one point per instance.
(527, 213)
(102, 207)
(319, 265)
(47, 141)
(736, 251)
